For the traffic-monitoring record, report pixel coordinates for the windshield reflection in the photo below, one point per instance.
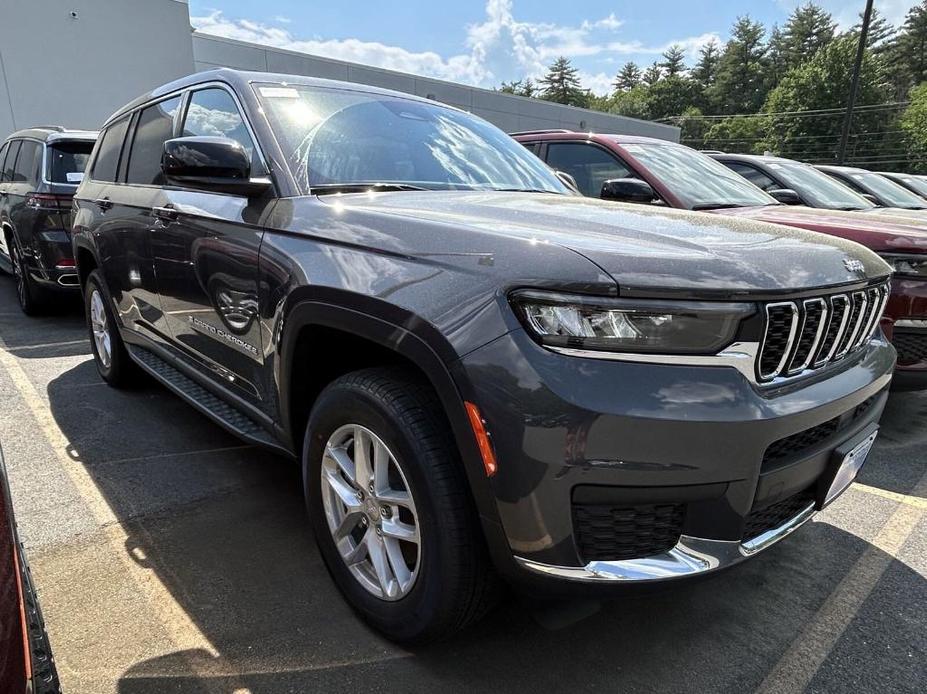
(822, 190)
(337, 137)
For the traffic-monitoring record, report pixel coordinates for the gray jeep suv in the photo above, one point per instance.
(481, 373)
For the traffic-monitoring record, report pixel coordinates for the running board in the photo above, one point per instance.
(223, 413)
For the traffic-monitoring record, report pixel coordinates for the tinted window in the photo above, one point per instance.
(755, 176)
(66, 161)
(155, 126)
(335, 137)
(819, 188)
(892, 193)
(3, 150)
(591, 166)
(27, 165)
(7, 174)
(213, 113)
(104, 168)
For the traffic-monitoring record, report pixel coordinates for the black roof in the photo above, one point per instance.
(241, 79)
(52, 133)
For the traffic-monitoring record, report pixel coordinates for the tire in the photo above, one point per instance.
(452, 582)
(109, 351)
(31, 298)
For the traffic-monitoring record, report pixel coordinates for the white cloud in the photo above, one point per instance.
(280, 19)
(500, 47)
(847, 14)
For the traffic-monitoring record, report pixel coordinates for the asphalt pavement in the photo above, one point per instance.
(171, 557)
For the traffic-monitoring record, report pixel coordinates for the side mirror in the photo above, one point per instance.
(786, 196)
(872, 198)
(217, 164)
(627, 190)
(567, 180)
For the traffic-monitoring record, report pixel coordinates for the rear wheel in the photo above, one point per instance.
(390, 509)
(109, 352)
(30, 296)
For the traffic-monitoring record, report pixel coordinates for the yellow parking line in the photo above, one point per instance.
(804, 657)
(915, 501)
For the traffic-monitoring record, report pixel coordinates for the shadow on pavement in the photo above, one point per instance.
(59, 332)
(225, 531)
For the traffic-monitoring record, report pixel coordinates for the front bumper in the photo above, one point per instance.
(588, 448)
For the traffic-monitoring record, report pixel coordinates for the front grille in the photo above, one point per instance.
(804, 335)
(770, 517)
(912, 347)
(605, 532)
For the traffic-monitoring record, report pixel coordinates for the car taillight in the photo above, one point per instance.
(47, 201)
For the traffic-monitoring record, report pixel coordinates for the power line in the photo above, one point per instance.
(805, 113)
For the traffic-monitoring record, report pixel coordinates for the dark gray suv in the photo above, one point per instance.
(40, 169)
(481, 373)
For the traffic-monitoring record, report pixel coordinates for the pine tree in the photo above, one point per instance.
(674, 60)
(628, 77)
(880, 31)
(910, 46)
(561, 84)
(652, 75)
(706, 69)
(808, 29)
(776, 57)
(740, 86)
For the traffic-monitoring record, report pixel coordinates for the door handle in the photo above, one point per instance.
(103, 203)
(166, 214)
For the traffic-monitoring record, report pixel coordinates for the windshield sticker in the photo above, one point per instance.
(75, 176)
(279, 93)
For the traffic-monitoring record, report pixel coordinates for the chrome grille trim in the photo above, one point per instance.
(847, 322)
(789, 345)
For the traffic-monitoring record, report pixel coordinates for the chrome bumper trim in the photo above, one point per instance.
(690, 556)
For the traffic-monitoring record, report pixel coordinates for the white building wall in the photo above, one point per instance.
(60, 69)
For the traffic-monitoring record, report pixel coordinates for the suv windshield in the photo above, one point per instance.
(894, 194)
(819, 188)
(67, 161)
(339, 138)
(918, 185)
(696, 179)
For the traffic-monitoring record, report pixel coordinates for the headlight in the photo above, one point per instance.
(908, 265)
(629, 325)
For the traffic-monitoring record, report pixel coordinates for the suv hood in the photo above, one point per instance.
(643, 248)
(881, 233)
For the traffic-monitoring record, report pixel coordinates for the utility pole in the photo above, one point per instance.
(854, 86)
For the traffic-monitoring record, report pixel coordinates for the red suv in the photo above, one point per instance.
(628, 168)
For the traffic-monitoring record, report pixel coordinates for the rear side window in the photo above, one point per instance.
(3, 151)
(28, 162)
(7, 175)
(155, 127)
(66, 161)
(213, 112)
(588, 164)
(104, 167)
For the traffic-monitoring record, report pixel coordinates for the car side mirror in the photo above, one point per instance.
(872, 198)
(567, 180)
(786, 196)
(627, 190)
(217, 164)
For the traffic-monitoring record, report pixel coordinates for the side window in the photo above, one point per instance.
(848, 182)
(107, 159)
(155, 126)
(27, 164)
(213, 112)
(591, 166)
(7, 175)
(532, 146)
(752, 174)
(3, 151)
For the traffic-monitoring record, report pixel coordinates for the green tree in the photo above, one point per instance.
(913, 123)
(740, 86)
(634, 103)
(652, 75)
(909, 48)
(561, 84)
(674, 61)
(706, 69)
(741, 134)
(672, 95)
(808, 29)
(628, 77)
(777, 52)
(880, 32)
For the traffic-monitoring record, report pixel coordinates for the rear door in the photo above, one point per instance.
(26, 213)
(206, 257)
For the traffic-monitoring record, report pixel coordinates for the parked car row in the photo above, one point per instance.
(483, 374)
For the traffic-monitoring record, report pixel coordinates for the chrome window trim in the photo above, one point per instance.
(790, 343)
(690, 556)
(817, 337)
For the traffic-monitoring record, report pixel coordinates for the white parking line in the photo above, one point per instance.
(801, 661)
(46, 345)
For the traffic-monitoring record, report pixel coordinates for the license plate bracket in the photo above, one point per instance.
(845, 465)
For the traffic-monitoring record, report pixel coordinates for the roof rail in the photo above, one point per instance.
(541, 132)
(712, 151)
(56, 128)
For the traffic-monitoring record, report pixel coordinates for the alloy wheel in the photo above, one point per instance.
(19, 275)
(100, 329)
(370, 512)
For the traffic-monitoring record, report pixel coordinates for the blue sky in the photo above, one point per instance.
(483, 42)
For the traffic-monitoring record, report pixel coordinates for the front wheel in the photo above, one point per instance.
(390, 509)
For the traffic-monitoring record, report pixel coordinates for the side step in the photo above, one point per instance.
(224, 414)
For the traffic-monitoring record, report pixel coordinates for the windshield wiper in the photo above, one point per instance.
(378, 187)
(522, 190)
(717, 206)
